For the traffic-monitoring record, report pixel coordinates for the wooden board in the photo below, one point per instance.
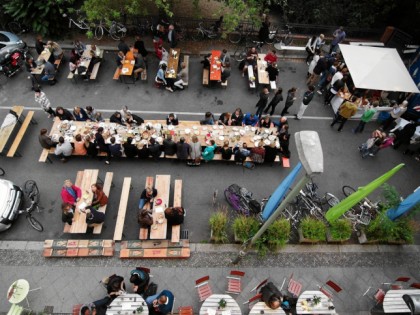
(155, 253)
(122, 209)
(173, 62)
(215, 66)
(107, 188)
(21, 133)
(129, 65)
(187, 66)
(261, 66)
(136, 244)
(162, 184)
(176, 229)
(7, 131)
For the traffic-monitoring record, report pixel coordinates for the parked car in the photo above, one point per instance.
(8, 43)
(11, 197)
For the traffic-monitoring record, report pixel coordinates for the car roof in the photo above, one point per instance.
(7, 37)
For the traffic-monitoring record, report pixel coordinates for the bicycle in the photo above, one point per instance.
(18, 28)
(293, 214)
(203, 33)
(241, 200)
(31, 191)
(329, 199)
(241, 34)
(242, 51)
(142, 27)
(281, 38)
(80, 23)
(116, 30)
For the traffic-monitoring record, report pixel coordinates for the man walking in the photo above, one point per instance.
(339, 36)
(42, 100)
(345, 112)
(307, 98)
(262, 103)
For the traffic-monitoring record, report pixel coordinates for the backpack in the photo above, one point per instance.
(249, 165)
(151, 290)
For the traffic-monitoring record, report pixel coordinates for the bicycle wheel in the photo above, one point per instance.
(31, 190)
(348, 190)
(15, 28)
(119, 31)
(99, 32)
(35, 223)
(235, 38)
(287, 39)
(197, 35)
(233, 199)
(240, 55)
(2, 172)
(331, 199)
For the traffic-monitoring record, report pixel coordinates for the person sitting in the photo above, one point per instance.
(79, 145)
(224, 57)
(139, 66)
(63, 150)
(265, 122)
(270, 153)
(271, 296)
(122, 46)
(88, 309)
(63, 113)
(241, 153)
(182, 77)
(90, 112)
(93, 216)
(133, 120)
(208, 153)
(147, 196)
(226, 69)
(251, 60)
(162, 54)
(117, 118)
(154, 149)
(70, 193)
(271, 57)
(273, 72)
(169, 146)
(143, 153)
(206, 61)
(237, 117)
(139, 45)
(258, 153)
(208, 119)
(115, 148)
(120, 59)
(161, 303)
(172, 120)
(79, 47)
(80, 114)
(224, 119)
(97, 52)
(140, 280)
(49, 73)
(45, 140)
(73, 64)
(130, 150)
(250, 120)
(145, 218)
(175, 215)
(182, 150)
(226, 151)
(55, 49)
(99, 199)
(39, 44)
(130, 54)
(91, 149)
(160, 78)
(67, 215)
(75, 55)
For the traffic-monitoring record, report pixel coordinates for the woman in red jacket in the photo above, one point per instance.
(70, 193)
(99, 197)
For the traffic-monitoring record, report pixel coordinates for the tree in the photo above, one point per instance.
(44, 16)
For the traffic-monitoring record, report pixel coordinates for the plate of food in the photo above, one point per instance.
(154, 227)
(267, 130)
(171, 127)
(195, 127)
(221, 138)
(272, 137)
(267, 142)
(187, 131)
(158, 202)
(196, 132)
(221, 126)
(214, 127)
(204, 128)
(253, 129)
(235, 129)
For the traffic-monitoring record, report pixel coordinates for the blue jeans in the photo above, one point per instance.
(45, 77)
(150, 299)
(142, 202)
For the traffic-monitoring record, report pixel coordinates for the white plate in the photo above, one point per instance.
(242, 132)
(253, 129)
(267, 130)
(235, 129)
(73, 128)
(236, 133)
(204, 128)
(246, 128)
(124, 70)
(195, 127)
(257, 138)
(267, 142)
(272, 137)
(214, 127)
(221, 127)
(170, 127)
(221, 138)
(154, 136)
(256, 143)
(187, 131)
(196, 132)
(159, 139)
(159, 209)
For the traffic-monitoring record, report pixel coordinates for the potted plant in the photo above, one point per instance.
(339, 231)
(274, 238)
(222, 304)
(311, 231)
(244, 228)
(218, 226)
(139, 309)
(316, 300)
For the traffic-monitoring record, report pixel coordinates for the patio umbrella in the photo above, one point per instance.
(405, 205)
(339, 209)
(280, 192)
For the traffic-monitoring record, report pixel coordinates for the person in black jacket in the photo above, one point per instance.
(140, 280)
(101, 145)
(172, 120)
(94, 216)
(262, 103)
(139, 45)
(63, 113)
(175, 215)
(273, 71)
(154, 149)
(278, 97)
(130, 149)
(237, 117)
(68, 213)
(271, 296)
(270, 153)
(172, 36)
(133, 119)
(291, 97)
(116, 118)
(169, 146)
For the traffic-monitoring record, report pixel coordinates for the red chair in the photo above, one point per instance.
(185, 310)
(259, 285)
(402, 279)
(234, 282)
(379, 296)
(415, 285)
(333, 286)
(76, 309)
(253, 300)
(203, 288)
(294, 287)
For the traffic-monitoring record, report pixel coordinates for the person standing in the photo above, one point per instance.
(310, 48)
(366, 117)
(42, 100)
(291, 97)
(339, 36)
(262, 103)
(396, 112)
(307, 98)
(172, 36)
(345, 112)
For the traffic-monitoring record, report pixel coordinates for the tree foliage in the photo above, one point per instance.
(44, 16)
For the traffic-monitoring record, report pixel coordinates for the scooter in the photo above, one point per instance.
(13, 62)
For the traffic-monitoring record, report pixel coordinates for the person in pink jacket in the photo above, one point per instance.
(70, 193)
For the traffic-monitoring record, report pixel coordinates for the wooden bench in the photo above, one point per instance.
(95, 70)
(44, 157)
(119, 225)
(58, 62)
(78, 183)
(251, 77)
(144, 232)
(78, 248)
(176, 229)
(106, 188)
(117, 74)
(7, 131)
(205, 76)
(155, 249)
(143, 75)
(162, 185)
(187, 67)
(28, 120)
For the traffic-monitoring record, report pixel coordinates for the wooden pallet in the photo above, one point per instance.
(155, 249)
(78, 248)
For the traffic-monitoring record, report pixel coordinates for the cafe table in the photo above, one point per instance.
(85, 59)
(211, 305)
(44, 56)
(394, 303)
(173, 62)
(305, 304)
(18, 291)
(261, 66)
(261, 308)
(127, 304)
(127, 71)
(215, 66)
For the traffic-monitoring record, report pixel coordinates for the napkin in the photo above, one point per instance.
(211, 311)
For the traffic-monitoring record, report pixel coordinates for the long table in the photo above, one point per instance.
(158, 230)
(262, 308)
(394, 303)
(85, 58)
(45, 55)
(173, 62)
(261, 66)
(215, 65)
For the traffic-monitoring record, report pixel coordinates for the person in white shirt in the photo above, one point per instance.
(63, 149)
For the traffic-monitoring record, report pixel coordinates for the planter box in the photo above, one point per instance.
(236, 239)
(363, 239)
(304, 240)
(333, 241)
(397, 242)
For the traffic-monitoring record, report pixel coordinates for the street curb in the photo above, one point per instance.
(233, 248)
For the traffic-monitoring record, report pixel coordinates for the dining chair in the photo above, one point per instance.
(253, 300)
(333, 286)
(398, 284)
(415, 285)
(259, 285)
(203, 288)
(378, 297)
(294, 287)
(234, 282)
(185, 310)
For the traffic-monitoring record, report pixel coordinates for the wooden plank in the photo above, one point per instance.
(135, 244)
(107, 188)
(155, 253)
(20, 134)
(261, 66)
(176, 229)
(6, 132)
(122, 209)
(143, 233)
(205, 76)
(95, 70)
(44, 155)
(117, 74)
(162, 184)
(187, 67)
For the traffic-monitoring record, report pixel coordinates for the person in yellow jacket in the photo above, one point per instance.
(345, 112)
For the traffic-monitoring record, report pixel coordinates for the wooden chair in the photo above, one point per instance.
(294, 287)
(259, 285)
(203, 288)
(234, 282)
(332, 285)
(253, 300)
(185, 310)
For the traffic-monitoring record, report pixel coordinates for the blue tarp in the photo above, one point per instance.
(405, 205)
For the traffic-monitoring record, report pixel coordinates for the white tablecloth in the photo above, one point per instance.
(126, 304)
(212, 302)
(393, 302)
(320, 308)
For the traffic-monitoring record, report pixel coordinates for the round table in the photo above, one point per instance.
(18, 291)
(211, 304)
(127, 304)
(262, 307)
(305, 307)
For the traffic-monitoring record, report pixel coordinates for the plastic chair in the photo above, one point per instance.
(203, 288)
(234, 282)
(259, 285)
(253, 300)
(294, 287)
(185, 310)
(415, 285)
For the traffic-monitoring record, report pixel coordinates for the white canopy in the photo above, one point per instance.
(377, 68)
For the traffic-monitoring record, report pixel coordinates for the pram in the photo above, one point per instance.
(370, 147)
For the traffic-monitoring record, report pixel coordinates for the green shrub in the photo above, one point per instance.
(383, 229)
(313, 229)
(245, 227)
(341, 229)
(274, 238)
(218, 224)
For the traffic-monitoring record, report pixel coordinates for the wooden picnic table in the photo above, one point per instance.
(211, 304)
(306, 307)
(261, 66)
(159, 228)
(186, 129)
(173, 62)
(261, 308)
(127, 304)
(85, 58)
(45, 55)
(7, 131)
(84, 180)
(394, 303)
(215, 65)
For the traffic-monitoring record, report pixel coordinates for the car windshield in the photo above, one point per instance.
(4, 38)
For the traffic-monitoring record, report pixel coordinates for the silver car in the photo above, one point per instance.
(9, 42)
(10, 202)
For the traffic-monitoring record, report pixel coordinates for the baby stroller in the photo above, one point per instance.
(370, 147)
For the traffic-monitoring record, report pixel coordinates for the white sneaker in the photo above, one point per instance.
(169, 89)
(319, 92)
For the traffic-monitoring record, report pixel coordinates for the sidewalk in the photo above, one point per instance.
(65, 282)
